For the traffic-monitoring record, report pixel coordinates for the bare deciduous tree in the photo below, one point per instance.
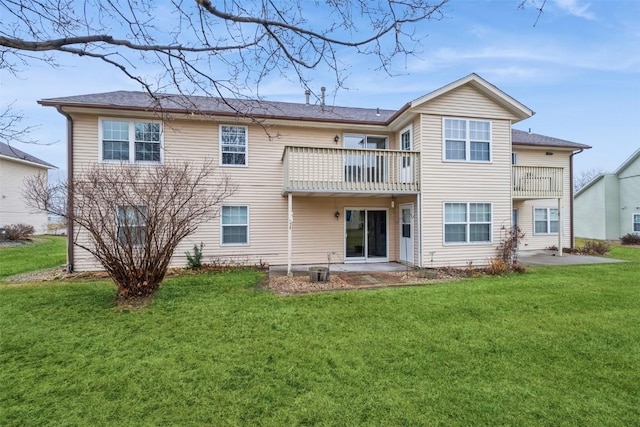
(584, 177)
(132, 218)
(11, 128)
(222, 48)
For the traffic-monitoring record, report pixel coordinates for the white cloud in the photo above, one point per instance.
(576, 8)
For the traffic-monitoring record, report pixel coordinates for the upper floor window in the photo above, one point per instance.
(636, 222)
(467, 140)
(467, 222)
(545, 221)
(130, 141)
(233, 145)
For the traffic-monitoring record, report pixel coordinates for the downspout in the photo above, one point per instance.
(571, 236)
(70, 218)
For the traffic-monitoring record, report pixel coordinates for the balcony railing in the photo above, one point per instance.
(335, 170)
(537, 182)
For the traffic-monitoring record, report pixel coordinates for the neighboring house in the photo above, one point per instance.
(438, 182)
(15, 167)
(608, 207)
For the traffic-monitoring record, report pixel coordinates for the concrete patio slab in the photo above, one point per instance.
(550, 258)
(373, 267)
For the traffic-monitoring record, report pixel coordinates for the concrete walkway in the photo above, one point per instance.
(550, 258)
(372, 267)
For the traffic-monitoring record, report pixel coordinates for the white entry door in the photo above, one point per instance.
(406, 233)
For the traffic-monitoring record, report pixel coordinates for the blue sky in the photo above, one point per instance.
(578, 68)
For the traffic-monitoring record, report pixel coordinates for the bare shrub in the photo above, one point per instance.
(630, 239)
(18, 232)
(595, 247)
(497, 267)
(131, 218)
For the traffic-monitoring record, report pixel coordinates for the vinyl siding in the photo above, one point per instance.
(531, 157)
(629, 201)
(590, 212)
(451, 182)
(13, 207)
(316, 232)
(465, 101)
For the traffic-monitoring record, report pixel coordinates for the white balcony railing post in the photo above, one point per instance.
(350, 170)
(537, 182)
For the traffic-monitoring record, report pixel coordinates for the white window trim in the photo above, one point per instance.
(248, 225)
(467, 144)
(633, 222)
(467, 242)
(514, 158)
(402, 132)
(548, 233)
(246, 146)
(132, 140)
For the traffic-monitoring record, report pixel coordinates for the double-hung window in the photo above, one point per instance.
(467, 140)
(545, 221)
(636, 222)
(130, 141)
(132, 225)
(233, 145)
(235, 225)
(467, 222)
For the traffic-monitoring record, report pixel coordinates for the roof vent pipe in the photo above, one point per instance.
(307, 93)
(322, 95)
(378, 111)
(529, 131)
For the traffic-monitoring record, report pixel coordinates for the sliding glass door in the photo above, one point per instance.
(366, 235)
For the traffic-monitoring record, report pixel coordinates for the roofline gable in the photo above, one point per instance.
(628, 162)
(590, 184)
(8, 152)
(520, 110)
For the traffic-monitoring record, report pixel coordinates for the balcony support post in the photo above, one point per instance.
(289, 231)
(560, 226)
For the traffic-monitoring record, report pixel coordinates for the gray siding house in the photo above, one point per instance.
(608, 207)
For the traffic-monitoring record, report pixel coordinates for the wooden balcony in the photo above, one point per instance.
(537, 182)
(355, 171)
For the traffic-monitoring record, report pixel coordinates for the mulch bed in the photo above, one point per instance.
(343, 281)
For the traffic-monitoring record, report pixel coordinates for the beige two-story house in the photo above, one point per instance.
(438, 182)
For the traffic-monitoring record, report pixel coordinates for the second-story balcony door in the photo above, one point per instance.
(365, 167)
(406, 166)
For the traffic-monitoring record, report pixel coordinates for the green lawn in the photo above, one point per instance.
(44, 252)
(557, 346)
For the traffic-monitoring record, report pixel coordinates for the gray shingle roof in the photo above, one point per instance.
(8, 151)
(230, 107)
(519, 137)
(258, 109)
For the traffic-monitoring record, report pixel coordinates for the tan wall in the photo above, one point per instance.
(13, 207)
(533, 157)
(444, 182)
(315, 231)
(465, 102)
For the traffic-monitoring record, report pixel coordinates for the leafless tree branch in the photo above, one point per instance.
(132, 218)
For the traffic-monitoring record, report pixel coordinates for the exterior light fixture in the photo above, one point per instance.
(336, 138)
(337, 215)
